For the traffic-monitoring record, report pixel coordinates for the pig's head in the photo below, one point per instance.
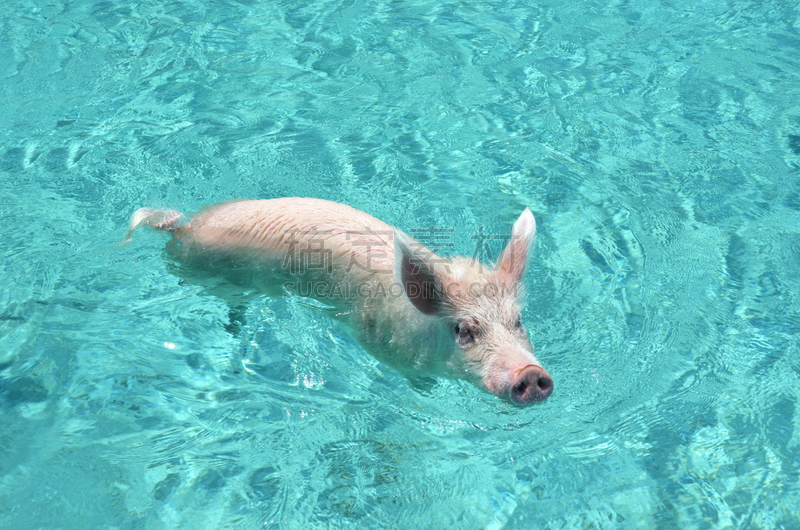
(481, 309)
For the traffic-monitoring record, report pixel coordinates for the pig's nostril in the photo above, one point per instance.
(545, 384)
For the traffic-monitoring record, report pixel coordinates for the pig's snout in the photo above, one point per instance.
(530, 384)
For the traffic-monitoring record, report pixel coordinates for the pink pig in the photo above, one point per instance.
(406, 305)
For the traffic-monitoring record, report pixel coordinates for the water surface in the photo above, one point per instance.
(657, 143)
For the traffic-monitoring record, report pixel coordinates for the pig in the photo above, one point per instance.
(410, 308)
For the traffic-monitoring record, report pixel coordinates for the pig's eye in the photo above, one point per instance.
(464, 334)
(518, 325)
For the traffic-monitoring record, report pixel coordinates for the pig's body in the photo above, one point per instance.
(409, 307)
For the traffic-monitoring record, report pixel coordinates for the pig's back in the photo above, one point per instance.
(271, 228)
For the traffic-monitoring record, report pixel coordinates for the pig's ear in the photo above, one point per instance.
(414, 269)
(514, 258)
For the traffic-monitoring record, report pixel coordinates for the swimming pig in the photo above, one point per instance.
(406, 305)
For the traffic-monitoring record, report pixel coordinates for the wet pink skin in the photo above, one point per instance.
(452, 317)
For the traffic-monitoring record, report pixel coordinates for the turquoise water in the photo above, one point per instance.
(657, 143)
